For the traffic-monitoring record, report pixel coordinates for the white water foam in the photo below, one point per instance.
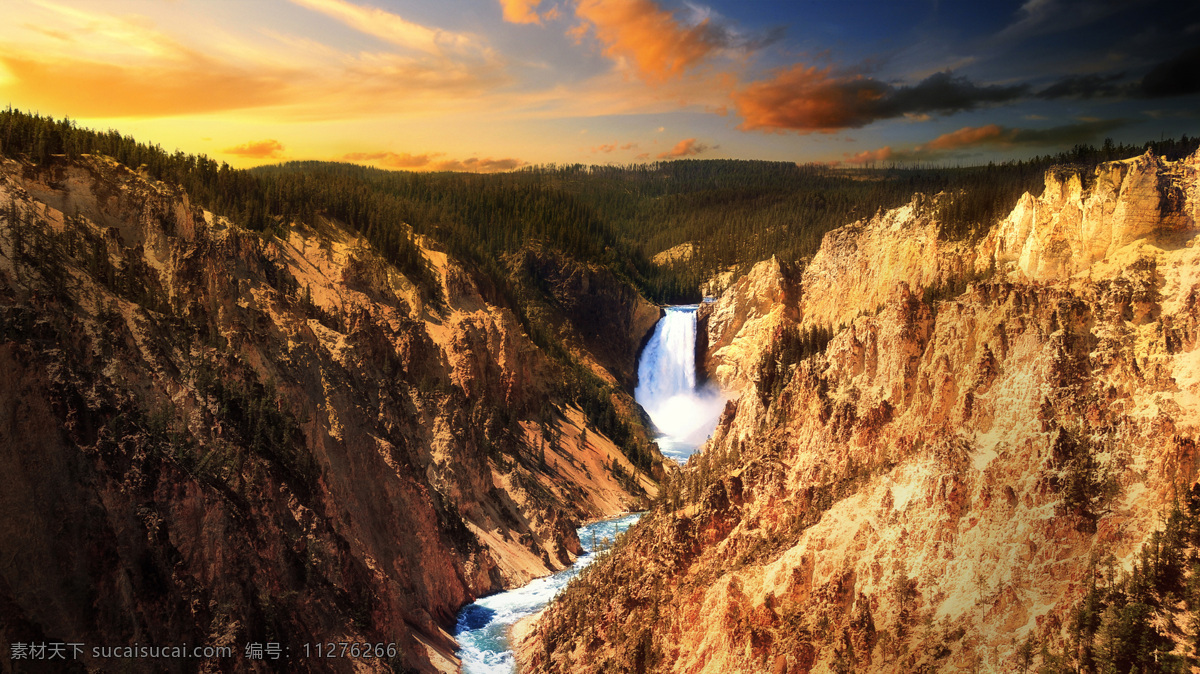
(482, 630)
(683, 413)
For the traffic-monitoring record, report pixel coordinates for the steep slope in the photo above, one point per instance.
(601, 319)
(937, 488)
(215, 437)
(731, 329)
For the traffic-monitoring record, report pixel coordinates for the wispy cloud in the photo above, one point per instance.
(1091, 85)
(431, 162)
(1040, 17)
(393, 28)
(257, 149)
(88, 88)
(611, 147)
(401, 160)
(478, 165)
(125, 66)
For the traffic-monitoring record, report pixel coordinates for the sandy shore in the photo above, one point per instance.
(519, 632)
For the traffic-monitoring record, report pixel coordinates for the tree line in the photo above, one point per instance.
(735, 212)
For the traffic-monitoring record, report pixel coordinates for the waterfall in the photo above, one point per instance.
(683, 414)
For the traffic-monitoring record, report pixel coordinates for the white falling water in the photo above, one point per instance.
(683, 413)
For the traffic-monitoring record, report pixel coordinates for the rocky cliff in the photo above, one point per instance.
(211, 436)
(731, 329)
(604, 321)
(995, 430)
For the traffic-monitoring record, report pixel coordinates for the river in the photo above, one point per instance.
(482, 630)
(684, 415)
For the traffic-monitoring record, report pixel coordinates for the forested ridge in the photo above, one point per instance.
(735, 212)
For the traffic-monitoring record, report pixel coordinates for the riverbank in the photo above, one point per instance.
(521, 631)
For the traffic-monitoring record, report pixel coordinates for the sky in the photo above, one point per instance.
(493, 85)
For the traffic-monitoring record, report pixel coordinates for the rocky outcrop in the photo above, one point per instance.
(928, 491)
(858, 266)
(211, 436)
(1072, 228)
(684, 252)
(731, 329)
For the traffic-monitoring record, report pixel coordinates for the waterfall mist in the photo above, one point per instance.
(683, 413)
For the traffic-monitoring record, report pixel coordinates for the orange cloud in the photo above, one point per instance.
(613, 146)
(969, 136)
(867, 156)
(476, 165)
(429, 162)
(125, 66)
(807, 99)
(257, 149)
(639, 30)
(402, 160)
(684, 148)
(521, 11)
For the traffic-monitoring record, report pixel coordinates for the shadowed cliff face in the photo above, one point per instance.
(928, 490)
(212, 437)
(600, 318)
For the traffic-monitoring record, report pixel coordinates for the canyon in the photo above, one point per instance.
(217, 436)
(934, 446)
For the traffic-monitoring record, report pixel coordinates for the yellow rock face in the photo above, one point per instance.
(899, 506)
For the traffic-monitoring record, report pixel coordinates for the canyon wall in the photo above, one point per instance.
(935, 488)
(213, 436)
(604, 321)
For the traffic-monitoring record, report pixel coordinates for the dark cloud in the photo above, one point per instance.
(1179, 76)
(1066, 135)
(992, 137)
(806, 99)
(945, 93)
(1044, 17)
(728, 37)
(1086, 86)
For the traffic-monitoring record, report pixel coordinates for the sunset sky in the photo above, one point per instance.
(484, 85)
